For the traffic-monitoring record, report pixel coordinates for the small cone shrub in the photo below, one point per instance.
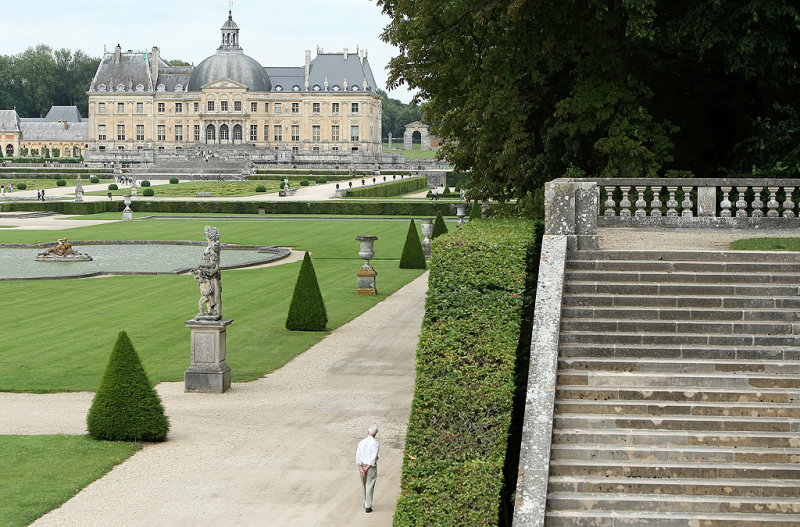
(126, 407)
(475, 211)
(439, 226)
(307, 310)
(412, 257)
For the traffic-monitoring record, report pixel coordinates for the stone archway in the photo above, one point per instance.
(416, 126)
(9, 150)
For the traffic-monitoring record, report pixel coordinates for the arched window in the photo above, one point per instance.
(223, 132)
(237, 133)
(76, 152)
(211, 133)
(9, 150)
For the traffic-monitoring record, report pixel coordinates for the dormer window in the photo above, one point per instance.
(161, 87)
(295, 88)
(179, 87)
(120, 87)
(140, 87)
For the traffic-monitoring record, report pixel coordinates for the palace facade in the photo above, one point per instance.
(138, 102)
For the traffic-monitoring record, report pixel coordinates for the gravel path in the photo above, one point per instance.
(682, 239)
(278, 451)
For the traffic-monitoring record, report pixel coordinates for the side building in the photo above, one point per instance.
(140, 106)
(62, 133)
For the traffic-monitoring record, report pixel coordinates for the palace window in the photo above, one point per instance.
(254, 107)
(210, 106)
(354, 132)
(237, 132)
(223, 107)
(101, 107)
(211, 133)
(162, 107)
(224, 135)
(140, 132)
(266, 107)
(278, 107)
(335, 108)
(162, 133)
(315, 107)
(278, 132)
(196, 131)
(179, 132)
(335, 132)
(120, 132)
(295, 107)
(315, 132)
(295, 132)
(266, 132)
(139, 107)
(334, 148)
(196, 107)
(295, 149)
(237, 106)
(120, 107)
(254, 132)
(178, 107)
(354, 107)
(101, 132)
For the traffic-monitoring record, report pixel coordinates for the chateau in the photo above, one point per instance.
(140, 105)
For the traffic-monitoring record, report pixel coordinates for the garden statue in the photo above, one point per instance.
(63, 252)
(208, 277)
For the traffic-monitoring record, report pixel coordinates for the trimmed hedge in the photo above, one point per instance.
(413, 257)
(173, 180)
(144, 183)
(395, 188)
(475, 211)
(148, 192)
(113, 186)
(439, 226)
(307, 310)
(261, 188)
(61, 183)
(126, 407)
(459, 464)
(22, 186)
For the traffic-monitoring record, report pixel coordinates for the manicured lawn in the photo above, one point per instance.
(36, 184)
(58, 334)
(188, 189)
(39, 473)
(766, 244)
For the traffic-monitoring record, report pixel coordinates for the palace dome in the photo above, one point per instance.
(234, 66)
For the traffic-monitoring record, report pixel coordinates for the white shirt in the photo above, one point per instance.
(367, 451)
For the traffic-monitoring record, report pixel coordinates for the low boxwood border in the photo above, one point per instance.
(393, 188)
(462, 443)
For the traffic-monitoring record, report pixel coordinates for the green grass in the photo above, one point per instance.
(42, 472)
(58, 334)
(766, 244)
(190, 188)
(35, 184)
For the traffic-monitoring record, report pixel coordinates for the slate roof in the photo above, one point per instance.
(174, 76)
(64, 113)
(331, 66)
(231, 65)
(52, 131)
(9, 121)
(133, 69)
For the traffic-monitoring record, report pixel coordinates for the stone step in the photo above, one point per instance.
(677, 393)
(704, 327)
(782, 488)
(660, 469)
(683, 314)
(746, 354)
(720, 301)
(667, 438)
(689, 256)
(671, 503)
(683, 422)
(682, 339)
(658, 289)
(708, 409)
(686, 277)
(665, 266)
(573, 518)
(676, 454)
(635, 363)
(685, 381)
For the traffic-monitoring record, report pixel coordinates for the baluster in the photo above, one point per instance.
(655, 205)
(640, 203)
(672, 203)
(788, 204)
(757, 203)
(609, 203)
(687, 202)
(772, 203)
(725, 204)
(625, 204)
(741, 204)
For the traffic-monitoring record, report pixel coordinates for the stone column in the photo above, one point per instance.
(208, 372)
(571, 209)
(707, 201)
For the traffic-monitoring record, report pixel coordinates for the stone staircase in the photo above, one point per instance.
(678, 395)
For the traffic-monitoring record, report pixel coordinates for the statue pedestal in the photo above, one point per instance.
(208, 372)
(366, 281)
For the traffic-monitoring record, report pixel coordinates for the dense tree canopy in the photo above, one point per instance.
(530, 90)
(397, 115)
(38, 78)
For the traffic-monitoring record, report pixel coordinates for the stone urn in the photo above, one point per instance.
(427, 230)
(127, 214)
(460, 207)
(366, 275)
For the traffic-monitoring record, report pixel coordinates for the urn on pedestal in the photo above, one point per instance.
(127, 213)
(427, 230)
(366, 275)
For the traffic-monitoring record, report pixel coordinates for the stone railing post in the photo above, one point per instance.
(707, 201)
(571, 209)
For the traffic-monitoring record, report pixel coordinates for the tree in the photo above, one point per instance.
(439, 226)
(307, 310)
(396, 116)
(413, 257)
(475, 211)
(126, 407)
(609, 88)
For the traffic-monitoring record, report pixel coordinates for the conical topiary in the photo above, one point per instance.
(307, 310)
(439, 226)
(475, 211)
(126, 407)
(412, 257)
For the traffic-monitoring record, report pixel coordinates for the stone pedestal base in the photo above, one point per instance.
(208, 372)
(366, 282)
(127, 214)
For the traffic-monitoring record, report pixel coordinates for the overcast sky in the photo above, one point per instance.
(273, 33)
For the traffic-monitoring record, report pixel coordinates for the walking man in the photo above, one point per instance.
(367, 461)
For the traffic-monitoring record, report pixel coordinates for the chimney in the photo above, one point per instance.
(155, 57)
(117, 53)
(65, 125)
(308, 65)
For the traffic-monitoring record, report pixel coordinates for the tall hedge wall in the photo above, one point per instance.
(398, 208)
(471, 370)
(385, 190)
